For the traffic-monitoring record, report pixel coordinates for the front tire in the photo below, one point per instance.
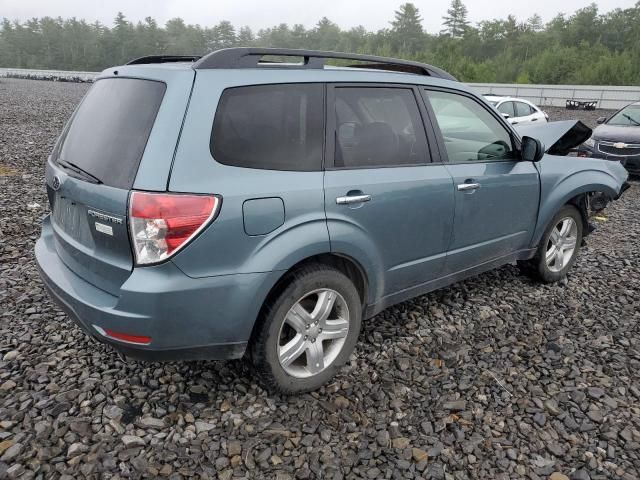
(307, 331)
(558, 248)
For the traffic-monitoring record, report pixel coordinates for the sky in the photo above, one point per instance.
(372, 14)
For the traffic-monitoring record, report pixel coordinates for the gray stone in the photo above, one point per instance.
(76, 449)
(204, 426)
(13, 452)
(540, 419)
(150, 422)
(131, 441)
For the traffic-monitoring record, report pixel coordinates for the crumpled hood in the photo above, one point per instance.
(558, 138)
(617, 133)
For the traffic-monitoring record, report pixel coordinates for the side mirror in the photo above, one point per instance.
(506, 115)
(601, 120)
(531, 149)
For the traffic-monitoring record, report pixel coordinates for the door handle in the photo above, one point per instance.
(534, 119)
(351, 199)
(468, 186)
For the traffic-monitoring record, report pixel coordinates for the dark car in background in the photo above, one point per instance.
(617, 138)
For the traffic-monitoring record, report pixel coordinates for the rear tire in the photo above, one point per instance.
(307, 331)
(558, 248)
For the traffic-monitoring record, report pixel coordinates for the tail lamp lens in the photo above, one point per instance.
(163, 223)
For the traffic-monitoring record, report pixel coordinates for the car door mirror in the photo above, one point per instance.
(506, 115)
(601, 120)
(531, 149)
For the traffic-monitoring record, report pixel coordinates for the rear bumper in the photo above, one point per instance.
(186, 318)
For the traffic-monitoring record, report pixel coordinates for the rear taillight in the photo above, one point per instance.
(163, 223)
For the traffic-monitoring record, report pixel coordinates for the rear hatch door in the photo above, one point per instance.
(94, 167)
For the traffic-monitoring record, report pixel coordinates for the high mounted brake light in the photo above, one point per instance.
(163, 223)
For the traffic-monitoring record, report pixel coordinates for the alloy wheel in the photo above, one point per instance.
(313, 333)
(562, 243)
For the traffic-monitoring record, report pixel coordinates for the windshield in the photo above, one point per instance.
(627, 116)
(109, 131)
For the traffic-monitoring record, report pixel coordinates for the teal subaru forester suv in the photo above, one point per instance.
(262, 203)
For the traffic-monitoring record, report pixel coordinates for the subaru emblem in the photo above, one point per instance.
(56, 182)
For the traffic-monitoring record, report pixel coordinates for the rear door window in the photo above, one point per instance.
(507, 107)
(378, 126)
(523, 110)
(273, 127)
(109, 131)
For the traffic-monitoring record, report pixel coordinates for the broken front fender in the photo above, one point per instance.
(559, 138)
(563, 179)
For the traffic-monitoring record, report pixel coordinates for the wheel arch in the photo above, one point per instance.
(581, 202)
(573, 190)
(344, 263)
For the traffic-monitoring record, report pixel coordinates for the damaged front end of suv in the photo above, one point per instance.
(562, 165)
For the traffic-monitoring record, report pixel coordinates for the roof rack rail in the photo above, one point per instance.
(249, 57)
(163, 59)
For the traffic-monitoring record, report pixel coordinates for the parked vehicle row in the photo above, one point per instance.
(222, 206)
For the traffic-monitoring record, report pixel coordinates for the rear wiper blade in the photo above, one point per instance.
(629, 117)
(75, 168)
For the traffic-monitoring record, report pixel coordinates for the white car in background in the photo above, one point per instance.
(516, 110)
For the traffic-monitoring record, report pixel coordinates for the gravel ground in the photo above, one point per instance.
(497, 377)
(587, 117)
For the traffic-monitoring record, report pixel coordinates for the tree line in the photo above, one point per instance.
(586, 47)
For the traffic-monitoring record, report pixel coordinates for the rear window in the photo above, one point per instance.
(110, 129)
(273, 127)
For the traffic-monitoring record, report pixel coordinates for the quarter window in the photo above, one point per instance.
(273, 127)
(378, 127)
(470, 132)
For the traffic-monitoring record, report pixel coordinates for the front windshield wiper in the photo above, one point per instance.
(79, 170)
(629, 117)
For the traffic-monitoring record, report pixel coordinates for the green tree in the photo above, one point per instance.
(406, 29)
(455, 21)
(245, 37)
(534, 23)
(497, 50)
(123, 36)
(326, 35)
(222, 35)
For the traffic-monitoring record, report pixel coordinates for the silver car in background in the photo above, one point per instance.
(517, 110)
